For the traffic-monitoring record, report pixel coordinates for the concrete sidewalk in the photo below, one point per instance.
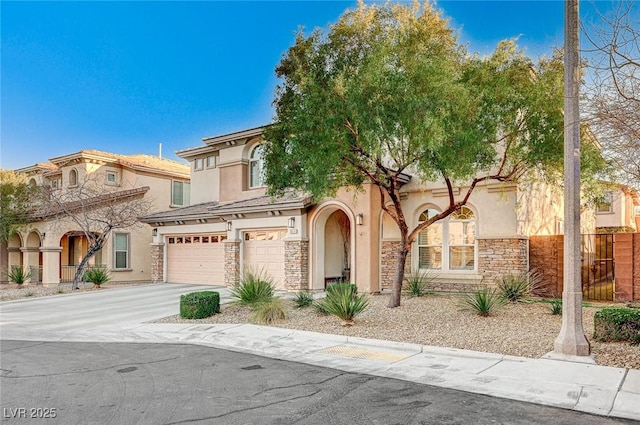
(582, 387)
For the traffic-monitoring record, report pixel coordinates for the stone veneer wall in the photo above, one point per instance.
(157, 262)
(500, 257)
(388, 262)
(231, 262)
(296, 265)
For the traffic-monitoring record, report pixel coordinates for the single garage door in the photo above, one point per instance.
(264, 251)
(197, 258)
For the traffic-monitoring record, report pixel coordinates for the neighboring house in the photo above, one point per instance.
(232, 225)
(619, 210)
(53, 248)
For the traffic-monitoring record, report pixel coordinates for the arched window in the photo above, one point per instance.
(462, 239)
(256, 172)
(32, 182)
(73, 178)
(448, 244)
(430, 243)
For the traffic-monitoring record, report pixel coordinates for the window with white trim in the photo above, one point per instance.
(448, 244)
(256, 167)
(120, 251)
(112, 178)
(198, 164)
(180, 193)
(211, 161)
(606, 204)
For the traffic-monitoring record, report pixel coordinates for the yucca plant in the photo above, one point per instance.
(19, 275)
(518, 287)
(268, 311)
(255, 286)
(303, 299)
(482, 302)
(556, 306)
(96, 276)
(417, 284)
(344, 303)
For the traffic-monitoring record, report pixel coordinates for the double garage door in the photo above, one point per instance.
(199, 258)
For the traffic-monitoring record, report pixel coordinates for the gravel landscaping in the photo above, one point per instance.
(518, 329)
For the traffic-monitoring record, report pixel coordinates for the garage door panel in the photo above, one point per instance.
(266, 255)
(197, 263)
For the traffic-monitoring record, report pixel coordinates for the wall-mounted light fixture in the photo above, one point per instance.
(154, 232)
(359, 218)
(292, 222)
(228, 226)
(44, 234)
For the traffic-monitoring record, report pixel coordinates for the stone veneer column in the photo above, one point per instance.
(502, 256)
(296, 265)
(231, 262)
(389, 261)
(157, 262)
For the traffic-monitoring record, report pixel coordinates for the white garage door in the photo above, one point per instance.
(264, 251)
(197, 258)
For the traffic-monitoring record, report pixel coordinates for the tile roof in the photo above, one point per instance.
(192, 211)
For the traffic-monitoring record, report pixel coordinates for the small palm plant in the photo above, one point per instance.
(342, 301)
(19, 275)
(482, 302)
(253, 287)
(96, 276)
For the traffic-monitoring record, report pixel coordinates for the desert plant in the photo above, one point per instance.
(303, 299)
(60, 290)
(517, 287)
(29, 294)
(268, 311)
(253, 287)
(556, 306)
(318, 308)
(19, 275)
(341, 286)
(198, 305)
(343, 302)
(96, 276)
(417, 284)
(617, 324)
(483, 301)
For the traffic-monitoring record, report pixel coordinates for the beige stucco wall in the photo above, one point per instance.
(621, 212)
(205, 185)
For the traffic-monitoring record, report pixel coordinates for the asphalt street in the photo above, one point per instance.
(129, 383)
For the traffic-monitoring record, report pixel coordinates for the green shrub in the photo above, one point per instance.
(341, 287)
(517, 287)
(198, 305)
(482, 302)
(96, 276)
(19, 275)
(268, 311)
(342, 301)
(318, 308)
(303, 299)
(253, 287)
(417, 284)
(29, 294)
(617, 324)
(556, 306)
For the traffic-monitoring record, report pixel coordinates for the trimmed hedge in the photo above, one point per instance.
(617, 324)
(198, 305)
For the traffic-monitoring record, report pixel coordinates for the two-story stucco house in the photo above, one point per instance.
(53, 248)
(232, 225)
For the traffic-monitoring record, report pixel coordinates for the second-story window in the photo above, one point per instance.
(211, 161)
(180, 193)
(605, 205)
(73, 178)
(256, 165)
(198, 164)
(112, 178)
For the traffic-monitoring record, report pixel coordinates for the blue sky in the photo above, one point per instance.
(124, 77)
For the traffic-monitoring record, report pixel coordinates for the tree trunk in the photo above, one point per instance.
(399, 277)
(83, 264)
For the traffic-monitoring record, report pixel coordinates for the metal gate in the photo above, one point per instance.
(598, 268)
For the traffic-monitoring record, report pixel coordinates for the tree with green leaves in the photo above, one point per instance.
(388, 91)
(17, 200)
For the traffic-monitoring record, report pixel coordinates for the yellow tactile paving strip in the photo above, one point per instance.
(362, 353)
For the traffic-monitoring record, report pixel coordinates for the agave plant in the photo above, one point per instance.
(482, 302)
(343, 302)
(19, 275)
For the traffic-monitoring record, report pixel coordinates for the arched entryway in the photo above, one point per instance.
(333, 247)
(14, 253)
(75, 246)
(33, 256)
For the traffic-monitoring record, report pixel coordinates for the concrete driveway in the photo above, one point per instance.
(113, 309)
